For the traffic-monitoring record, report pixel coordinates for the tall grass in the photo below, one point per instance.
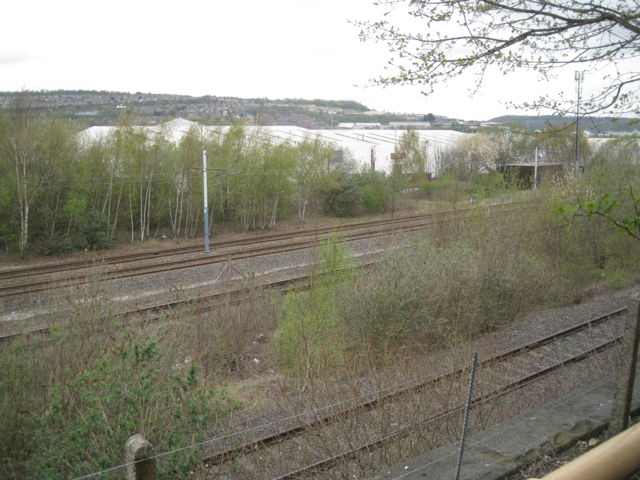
(67, 405)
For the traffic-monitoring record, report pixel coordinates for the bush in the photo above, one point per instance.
(220, 342)
(68, 405)
(436, 189)
(56, 244)
(311, 336)
(426, 294)
(375, 194)
(488, 184)
(343, 197)
(95, 228)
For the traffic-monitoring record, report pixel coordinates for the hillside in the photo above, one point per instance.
(595, 125)
(103, 108)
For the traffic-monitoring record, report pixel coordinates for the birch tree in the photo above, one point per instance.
(314, 154)
(21, 139)
(415, 151)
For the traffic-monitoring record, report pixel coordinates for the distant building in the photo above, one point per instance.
(524, 173)
(359, 126)
(370, 147)
(405, 125)
(443, 123)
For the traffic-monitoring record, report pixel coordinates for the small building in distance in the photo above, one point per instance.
(405, 125)
(359, 126)
(524, 173)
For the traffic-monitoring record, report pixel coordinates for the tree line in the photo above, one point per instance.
(61, 190)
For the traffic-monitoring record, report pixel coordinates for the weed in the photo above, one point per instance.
(69, 405)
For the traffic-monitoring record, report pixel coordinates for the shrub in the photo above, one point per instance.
(309, 331)
(220, 341)
(95, 228)
(437, 189)
(56, 244)
(68, 405)
(343, 197)
(425, 294)
(488, 184)
(375, 198)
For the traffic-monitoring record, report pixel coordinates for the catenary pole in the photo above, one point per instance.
(206, 207)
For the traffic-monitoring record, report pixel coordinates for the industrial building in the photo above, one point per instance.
(369, 147)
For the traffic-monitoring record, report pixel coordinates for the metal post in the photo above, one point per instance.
(206, 207)
(535, 172)
(466, 413)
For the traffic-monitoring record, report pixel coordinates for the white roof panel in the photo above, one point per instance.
(359, 142)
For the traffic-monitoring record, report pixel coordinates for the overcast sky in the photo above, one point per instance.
(253, 48)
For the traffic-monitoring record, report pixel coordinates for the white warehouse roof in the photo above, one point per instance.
(359, 142)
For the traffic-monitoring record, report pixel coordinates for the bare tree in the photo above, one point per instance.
(542, 36)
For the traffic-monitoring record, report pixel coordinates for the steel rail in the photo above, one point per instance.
(267, 440)
(127, 258)
(10, 274)
(515, 385)
(129, 272)
(286, 285)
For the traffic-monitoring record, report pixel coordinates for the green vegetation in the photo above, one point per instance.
(68, 403)
(310, 333)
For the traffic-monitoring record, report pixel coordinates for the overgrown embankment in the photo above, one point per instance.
(68, 404)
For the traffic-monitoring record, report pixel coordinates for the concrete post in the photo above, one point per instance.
(626, 368)
(138, 448)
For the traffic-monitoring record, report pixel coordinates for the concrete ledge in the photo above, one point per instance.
(500, 450)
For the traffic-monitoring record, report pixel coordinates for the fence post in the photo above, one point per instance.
(137, 448)
(627, 360)
(474, 363)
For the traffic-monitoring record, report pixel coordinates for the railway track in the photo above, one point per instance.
(105, 260)
(333, 437)
(42, 279)
(153, 313)
(181, 264)
(407, 225)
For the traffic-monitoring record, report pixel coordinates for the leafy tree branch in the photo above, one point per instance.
(605, 207)
(506, 35)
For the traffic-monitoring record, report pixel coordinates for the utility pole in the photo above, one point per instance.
(579, 77)
(535, 172)
(206, 206)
